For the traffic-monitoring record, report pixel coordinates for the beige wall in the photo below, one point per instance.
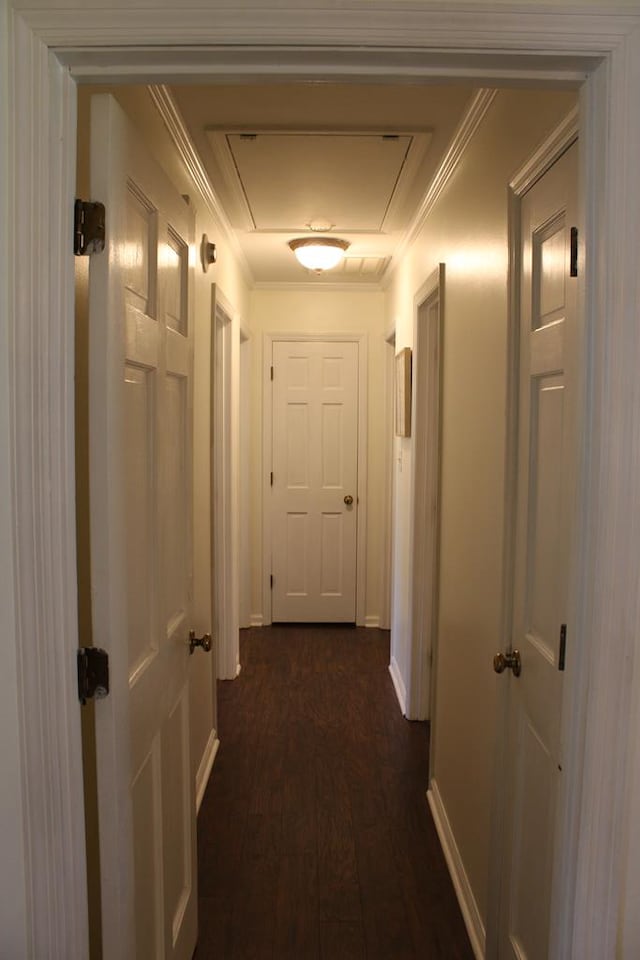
(226, 274)
(467, 231)
(325, 311)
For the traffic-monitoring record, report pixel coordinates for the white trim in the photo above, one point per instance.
(442, 37)
(425, 489)
(535, 167)
(245, 473)
(494, 26)
(372, 621)
(464, 134)
(183, 142)
(205, 767)
(600, 699)
(225, 347)
(40, 278)
(462, 886)
(398, 684)
(389, 475)
(267, 428)
(256, 620)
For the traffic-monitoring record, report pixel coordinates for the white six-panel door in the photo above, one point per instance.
(546, 470)
(141, 520)
(314, 459)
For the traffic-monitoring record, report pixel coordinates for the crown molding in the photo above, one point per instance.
(547, 153)
(174, 122)
(466, 130)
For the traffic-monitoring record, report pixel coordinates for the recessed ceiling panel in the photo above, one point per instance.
(290, 180)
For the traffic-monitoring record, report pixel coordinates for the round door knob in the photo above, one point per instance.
(348, 499)
(204, 642)
(508, 661)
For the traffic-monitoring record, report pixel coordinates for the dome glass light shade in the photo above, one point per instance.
(319, 253)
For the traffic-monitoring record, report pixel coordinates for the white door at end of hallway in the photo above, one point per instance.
(314, 501)
(141, 412)
(546, 478)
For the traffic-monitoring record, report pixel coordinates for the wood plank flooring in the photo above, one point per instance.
(315, 839)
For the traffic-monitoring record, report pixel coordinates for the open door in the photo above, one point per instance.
(140, 369)
(534, 668)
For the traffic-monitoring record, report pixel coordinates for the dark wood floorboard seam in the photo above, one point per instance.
(315, 840)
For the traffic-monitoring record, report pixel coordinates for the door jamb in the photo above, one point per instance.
(387, 568)
(224, 485)
(244, 478)
(425, 474)
(267, 428)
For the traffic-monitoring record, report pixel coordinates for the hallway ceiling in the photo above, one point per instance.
(354, 158)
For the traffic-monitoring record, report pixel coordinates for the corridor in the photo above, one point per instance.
(314, 836)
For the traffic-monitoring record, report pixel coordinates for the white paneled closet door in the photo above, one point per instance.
(314, 499)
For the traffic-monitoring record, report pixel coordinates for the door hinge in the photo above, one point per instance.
(563, 646)
(88, 228)
(272, 373)
(573, 267)
(93, 673)
(271, 581)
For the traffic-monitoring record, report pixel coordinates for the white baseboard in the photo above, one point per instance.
(398, 682)
(206, 765)
(256, 620)
(468, 906)
(238, 669)
(372, 621)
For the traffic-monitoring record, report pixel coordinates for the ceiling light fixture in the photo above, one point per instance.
(319, 253)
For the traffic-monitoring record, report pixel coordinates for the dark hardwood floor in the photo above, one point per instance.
(315, 838)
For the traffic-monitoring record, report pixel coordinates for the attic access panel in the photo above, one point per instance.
(288, 179)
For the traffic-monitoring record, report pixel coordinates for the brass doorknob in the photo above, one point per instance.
(510, 661)
(348, 499)
(204, 642)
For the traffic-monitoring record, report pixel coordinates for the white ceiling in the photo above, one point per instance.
(356, 159)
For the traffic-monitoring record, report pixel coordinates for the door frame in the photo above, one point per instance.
(551, 149)
(389, 478)
(425, 526)
(361, 339)
(244, 479)
(225, 592)
(38, 116)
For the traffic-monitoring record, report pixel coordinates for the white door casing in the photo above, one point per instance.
(315, 466)
(38, 116)
(546, 478)
(224, 486)
(244, 469)
(141, 361)
(425, 494)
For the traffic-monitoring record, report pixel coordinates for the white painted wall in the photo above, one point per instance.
(13, 893)
(467, 231)
(325, 311)
(227, 275)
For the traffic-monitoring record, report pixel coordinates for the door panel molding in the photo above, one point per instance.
(267, 431)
